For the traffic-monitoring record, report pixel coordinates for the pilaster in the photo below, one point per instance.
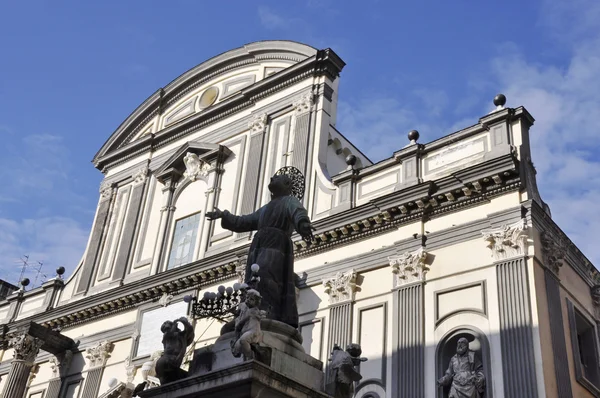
(96, 356)
(302, 110)
(25, 349)
(341, 289)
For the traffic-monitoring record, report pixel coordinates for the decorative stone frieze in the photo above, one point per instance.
(341, 287)
(304, 103)
(507, 241)
(165, 299)
(98, 354)
(140, 176)
(553, 251)
(59, 364)
(409, 267)
(106, 190)
(258, 123)
(25, 347)
(195, 167)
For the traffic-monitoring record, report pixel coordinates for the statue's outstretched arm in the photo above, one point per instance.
(235, 223)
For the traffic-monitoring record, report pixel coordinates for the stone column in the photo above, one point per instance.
(250, 197)
(507, 245)
(408, 334)
(60, 367)
(341, 289)
(106, 194)
(25, 349)
(553, 250)
(97, 357)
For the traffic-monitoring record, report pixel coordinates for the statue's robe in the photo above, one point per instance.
(272, 249)
(465, 372)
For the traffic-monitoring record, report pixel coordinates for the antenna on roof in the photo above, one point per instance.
(37, 268)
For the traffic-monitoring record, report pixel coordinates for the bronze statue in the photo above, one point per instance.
(177, 335)
(465, 373)
(247, 326)
(343, 371)
(272, 248)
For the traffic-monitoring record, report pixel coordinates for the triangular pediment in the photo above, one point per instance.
(175, 165)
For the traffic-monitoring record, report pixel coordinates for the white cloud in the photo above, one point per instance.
(271, 20)
(564, 101)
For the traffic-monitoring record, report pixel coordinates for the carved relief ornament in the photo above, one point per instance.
(59, 364)
(106, 189)
(258, 123)
(25, 347)
(506, 241)
(194, 167)
(99, 353)
(165, 299)
(341, 287)
(595, 291)
(140, 176)
(553, 251)
(409, 267)
(304, 103)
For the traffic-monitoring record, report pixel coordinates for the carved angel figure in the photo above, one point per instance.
(247, 325)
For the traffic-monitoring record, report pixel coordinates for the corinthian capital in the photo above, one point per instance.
(60, 363)
(258, 123)
(99, 353)
(304, 103)
(106, 190)
(409, 267)
(553, 251)
(25, 347)
(506, 241)
(341, 287)
(140, 175)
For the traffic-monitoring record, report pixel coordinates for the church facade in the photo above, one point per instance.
(439, 242)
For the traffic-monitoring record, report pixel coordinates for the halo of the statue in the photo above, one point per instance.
(298, 180)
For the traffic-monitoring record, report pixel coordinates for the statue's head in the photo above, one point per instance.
(280, 185)
(462, 346)
(253, 298)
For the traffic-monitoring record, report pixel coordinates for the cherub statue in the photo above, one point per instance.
(342, 370)
(177, 335)
(247, 325)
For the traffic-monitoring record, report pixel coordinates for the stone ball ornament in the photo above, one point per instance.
(413, 135)
(25, 282)
(351, 160)
(500, 100)
(60, 271)
(298, 180)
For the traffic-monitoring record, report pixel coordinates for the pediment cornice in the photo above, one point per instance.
(309, 62)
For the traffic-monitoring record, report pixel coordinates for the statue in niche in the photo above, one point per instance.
(272, 248)
(177, 336)
(465, 373)
(247, 326)
(343, 371)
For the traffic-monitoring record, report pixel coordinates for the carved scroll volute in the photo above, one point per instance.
(409, 267)
(25, 348)
(507, 241)
(341, 287)
(98, 354)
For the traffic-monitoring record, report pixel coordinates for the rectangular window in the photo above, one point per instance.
(585, 350)
(184, 241)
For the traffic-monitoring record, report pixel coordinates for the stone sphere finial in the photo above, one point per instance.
(25, 282)
(351, 160)
(413, 136)
(500, 100)
(60, 271)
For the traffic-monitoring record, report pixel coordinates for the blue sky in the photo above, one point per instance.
(71, 71)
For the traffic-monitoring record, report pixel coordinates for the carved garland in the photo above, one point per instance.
(341, 287)
(409, 267)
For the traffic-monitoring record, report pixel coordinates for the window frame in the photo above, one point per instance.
(172, 240)
(575, 349)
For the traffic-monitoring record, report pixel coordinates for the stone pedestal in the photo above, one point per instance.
(283, 369)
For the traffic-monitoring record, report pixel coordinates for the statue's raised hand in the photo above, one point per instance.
(305, 229)
(215, 214)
